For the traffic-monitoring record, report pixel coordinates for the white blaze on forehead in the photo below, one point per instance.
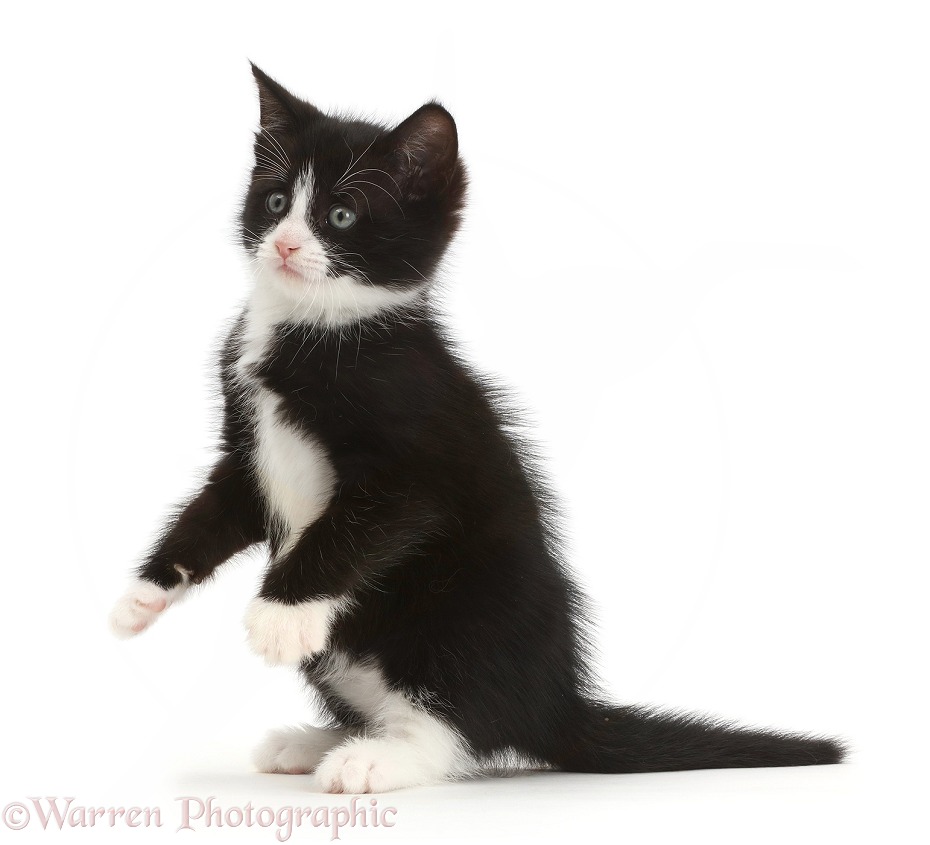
(303, 196)
(294, 226)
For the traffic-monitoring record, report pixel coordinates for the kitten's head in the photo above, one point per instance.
(345, 219)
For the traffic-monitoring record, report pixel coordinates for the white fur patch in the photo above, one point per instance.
(263, 313)
(343, 301)
(296, 751)
(294, 471)
(142, 604)
(403, 744)
(360, 685)
(287, 633)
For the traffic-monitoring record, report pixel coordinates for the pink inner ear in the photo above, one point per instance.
(426, 151)
(432, 133)
(433, 128)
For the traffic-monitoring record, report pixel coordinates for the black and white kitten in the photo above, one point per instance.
(414, 576)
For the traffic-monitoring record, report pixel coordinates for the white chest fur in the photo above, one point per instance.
(293, 469)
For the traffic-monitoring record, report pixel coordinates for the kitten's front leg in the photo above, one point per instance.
(143, 603)
(304, 590)
(221, 520)
(287, 633)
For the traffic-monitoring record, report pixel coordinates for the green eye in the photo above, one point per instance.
(340, 217)
(276, 202)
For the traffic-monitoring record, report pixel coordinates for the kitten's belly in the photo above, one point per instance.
(295, 474)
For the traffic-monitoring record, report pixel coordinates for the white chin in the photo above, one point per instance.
(313, 297)
(296, 282)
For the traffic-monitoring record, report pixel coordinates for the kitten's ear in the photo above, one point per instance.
(424, 152)
(280, 110)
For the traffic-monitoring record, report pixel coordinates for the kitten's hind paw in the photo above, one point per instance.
(365, 764)
(141, 605)
(295, 751)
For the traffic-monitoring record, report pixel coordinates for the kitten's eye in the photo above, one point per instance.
(276, 202)
(340, 217)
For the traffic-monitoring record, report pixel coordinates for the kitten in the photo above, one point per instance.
(415, 576)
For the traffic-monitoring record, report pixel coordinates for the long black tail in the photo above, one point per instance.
(634, 739)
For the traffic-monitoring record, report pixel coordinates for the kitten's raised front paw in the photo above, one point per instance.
(141, 605)
(287, 633)
(295, 751)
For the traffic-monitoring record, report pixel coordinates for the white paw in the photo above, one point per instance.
(287, 633)
(295, 751)
(376, 765)
(141, 605)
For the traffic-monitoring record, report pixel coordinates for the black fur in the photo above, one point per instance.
(440, 528)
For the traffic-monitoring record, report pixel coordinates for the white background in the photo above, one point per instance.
(696, 250)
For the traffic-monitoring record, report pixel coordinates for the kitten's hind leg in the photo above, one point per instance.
(411, 748)
(296, 751)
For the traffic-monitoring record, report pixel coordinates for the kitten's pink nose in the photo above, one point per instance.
(285, 247)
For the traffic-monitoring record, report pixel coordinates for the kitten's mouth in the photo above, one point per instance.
(286, 270)
(305, 274)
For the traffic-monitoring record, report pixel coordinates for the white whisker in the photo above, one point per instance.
(376, 170)
(355, 161)
(352, 188)
(366, 182)
(277, 144)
